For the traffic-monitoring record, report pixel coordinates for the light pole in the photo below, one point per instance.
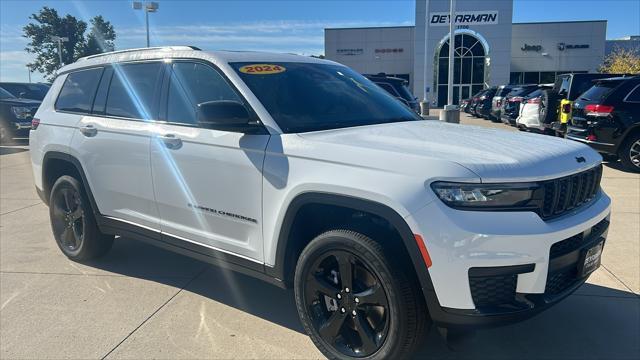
(424, 104)
(147, 7)
(451, 112)
(60, 40)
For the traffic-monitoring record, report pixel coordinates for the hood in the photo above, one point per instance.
(20, 102)
(494, 155)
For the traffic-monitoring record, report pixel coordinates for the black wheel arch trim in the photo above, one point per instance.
(283, 265)
(46, 190)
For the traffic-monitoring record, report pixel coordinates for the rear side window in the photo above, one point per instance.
(133, 90)
(78, 91)
(634, 95)
(388, 88)
(598, 92)
(192, 84)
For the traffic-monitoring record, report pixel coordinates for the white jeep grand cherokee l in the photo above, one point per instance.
(303, 173)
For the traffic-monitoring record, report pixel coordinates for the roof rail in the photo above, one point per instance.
(155, 48)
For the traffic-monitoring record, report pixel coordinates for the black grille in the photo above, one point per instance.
(567, 193)
(493, 290)
(559, 281)
(567, 275)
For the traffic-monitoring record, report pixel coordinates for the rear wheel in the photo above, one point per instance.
(6, 133)
(629, 153)
(354, 303)
(73, 223)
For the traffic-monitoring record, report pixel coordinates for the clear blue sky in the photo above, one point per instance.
(285, 26)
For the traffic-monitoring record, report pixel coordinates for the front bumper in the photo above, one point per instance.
(511, 250)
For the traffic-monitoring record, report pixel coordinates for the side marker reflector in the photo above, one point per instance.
(423, 250)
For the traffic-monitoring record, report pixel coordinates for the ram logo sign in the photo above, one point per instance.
(464, 18)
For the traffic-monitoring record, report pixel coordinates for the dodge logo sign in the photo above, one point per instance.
(580, 159)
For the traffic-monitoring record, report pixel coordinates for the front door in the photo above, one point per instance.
(208, 183)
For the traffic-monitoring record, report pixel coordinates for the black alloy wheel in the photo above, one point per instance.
(348, 304)
(68, 220)
(73, 222)
(358, 299)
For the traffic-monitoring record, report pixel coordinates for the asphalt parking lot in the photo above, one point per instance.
(143, 302)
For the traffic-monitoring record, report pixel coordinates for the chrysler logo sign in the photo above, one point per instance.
(464, 18)
(531, 47)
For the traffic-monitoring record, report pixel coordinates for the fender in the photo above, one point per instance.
(78, 166)
(383, 211)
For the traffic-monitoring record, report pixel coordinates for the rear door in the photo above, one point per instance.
(208, 183)
(113, 142)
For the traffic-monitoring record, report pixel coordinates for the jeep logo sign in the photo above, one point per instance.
(531, 47)
(464, 18)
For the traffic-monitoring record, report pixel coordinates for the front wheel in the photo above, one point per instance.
(354, 302)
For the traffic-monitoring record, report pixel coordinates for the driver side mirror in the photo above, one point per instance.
(225, 115)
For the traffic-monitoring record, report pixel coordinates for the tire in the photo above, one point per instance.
(392, 330)
(73, 222)
(6, 133)
(629, 153)
(547, 110)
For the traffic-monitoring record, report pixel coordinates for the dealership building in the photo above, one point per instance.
(489, 48)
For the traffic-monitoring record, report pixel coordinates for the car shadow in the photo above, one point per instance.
(13, 149)
(595, 322)
(617, 165)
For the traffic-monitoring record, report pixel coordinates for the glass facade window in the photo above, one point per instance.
(468, 71)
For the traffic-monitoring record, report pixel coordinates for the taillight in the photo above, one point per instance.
(591, 137)
(535, 100)
(598, 110)
(499, 103)
(34, 123)
(566, 108)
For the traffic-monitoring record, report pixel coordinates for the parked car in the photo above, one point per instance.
(33, 91)
(607, 117)
(464, 103)
(556, 104)
(470, 109)
(498, 98)
(15, 116)
(483, 105)
(397, 87)
(477, 100)
(302, 172)
(529, 117)
(511, 104)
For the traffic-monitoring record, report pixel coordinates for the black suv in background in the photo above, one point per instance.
(607, 117)
(15, 116)
(33, 91)
(397, 87)
(511, 103)
(483, 107)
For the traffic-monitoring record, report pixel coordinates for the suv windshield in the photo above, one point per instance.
(305, 97)
(27, 91)
(599, 91)
(4, 94)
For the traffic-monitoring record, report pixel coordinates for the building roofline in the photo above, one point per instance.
(372, 27)
(558, 22)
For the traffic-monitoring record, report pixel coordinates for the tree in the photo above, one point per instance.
(101, 37)
(622, 61)
(47, 23)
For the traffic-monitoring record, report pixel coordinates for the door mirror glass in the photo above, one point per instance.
(226, 115)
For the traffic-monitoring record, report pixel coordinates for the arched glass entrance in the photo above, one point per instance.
(469, 67)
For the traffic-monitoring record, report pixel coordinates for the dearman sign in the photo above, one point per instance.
(464, 18)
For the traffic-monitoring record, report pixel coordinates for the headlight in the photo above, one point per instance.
(519, 196)
(21, 112)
